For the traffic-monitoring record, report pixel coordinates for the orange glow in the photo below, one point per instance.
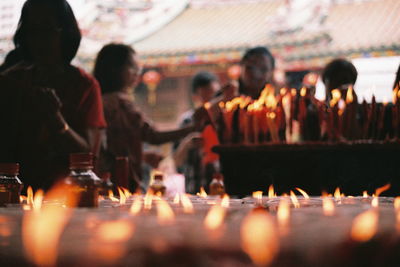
(176, 199)
(148, 199)
(186, 204)
(382, 189)
(221, 105)
(258, 237)
(165, 215)
(283, 91)
(337, 194)
(375, 202)
(365, 194)
(398, 221)
(349, 95)
(293, 92)
(38, 200)
(136, 206)
(303, 91)
(48, 222)
(257, 195)
(215, 217)
(111, 196)
(29, 197)
(294, 199)
(271, 192)
(397, 203)
(364, 226)
(328, 206)
(270, 101)
(225, 201)
(127, 193)
(271, 115)
(122, 197)
(202, 193)
(336, 95)
(283, 216)
(22, 198)
(115, 231)
(207, 105)
(305, 195)
(395, 91)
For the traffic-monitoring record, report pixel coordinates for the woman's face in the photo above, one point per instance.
(43, 35)
(131, 72)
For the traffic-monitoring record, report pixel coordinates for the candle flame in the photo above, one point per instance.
(305, 195)
(271, 115)
(293, 92)
(215, 217)
(38, 200)
(382, 189)
(176, 199)
(29, 197)
(294, 199)
(225, 201)
(283, 91)
(202, 193)
(349, 95)
(186, 204)
(337, 194)
(365, 194)
(127, 193)
(165, 215)
(283, 216)
(122, 197)
(271, 192)
(136, 206)
(259, 239)
(111, 196)
(328, 206)
(221, 105)
(22, 198)
(148, 199)
(364, 226)
(257, 195)
(41, 229)
(303, 91)
(207, 105)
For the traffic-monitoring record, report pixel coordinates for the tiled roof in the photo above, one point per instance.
(349, 29)
(212, 28)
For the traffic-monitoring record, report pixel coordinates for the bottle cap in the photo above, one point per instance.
(9, 168)
(81, 160)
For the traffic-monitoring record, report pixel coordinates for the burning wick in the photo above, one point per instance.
(305, 195)
(257, 195)
(202, 193)
(294, 199)
(271, 193)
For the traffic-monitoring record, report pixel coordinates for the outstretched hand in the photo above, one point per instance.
(201, 118)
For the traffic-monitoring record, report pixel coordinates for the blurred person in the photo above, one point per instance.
(189, 155)
(49, 107)
(397, 79)
(118, 71)
(258, 65)
(339, 74)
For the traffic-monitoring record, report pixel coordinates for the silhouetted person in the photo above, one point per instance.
(338, 74)
(397, 79)
(118, 70)
(49, 107)
(258, 65)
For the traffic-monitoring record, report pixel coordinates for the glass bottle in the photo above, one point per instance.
(217, 186)
(158, 187)
(10, 184)
(83, 182)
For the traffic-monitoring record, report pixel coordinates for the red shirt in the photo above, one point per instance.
(29, 141)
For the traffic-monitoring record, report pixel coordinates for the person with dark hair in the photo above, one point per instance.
(258, 65)
(12, 58)
(338, 74)
(118, 70)
(50, 107)
(188, 153)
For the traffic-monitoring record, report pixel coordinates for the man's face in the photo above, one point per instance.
(256, 72)
(205, 93)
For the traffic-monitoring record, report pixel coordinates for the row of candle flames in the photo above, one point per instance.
(294, 118)
(258, 230)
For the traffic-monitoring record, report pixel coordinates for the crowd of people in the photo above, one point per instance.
(50, 108)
